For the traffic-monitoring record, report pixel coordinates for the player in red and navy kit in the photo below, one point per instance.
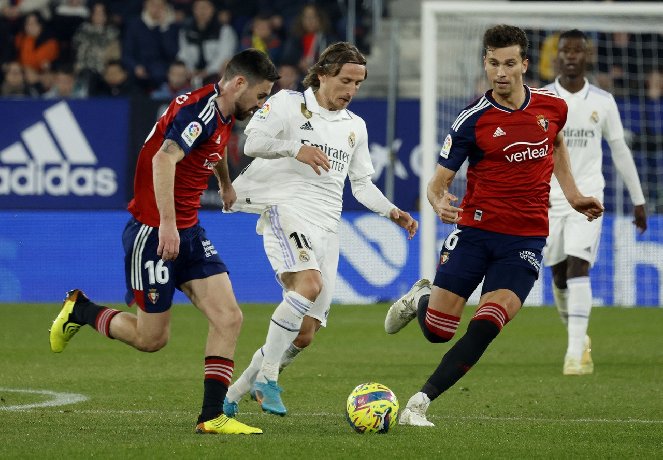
(513, 142)
(165, 246)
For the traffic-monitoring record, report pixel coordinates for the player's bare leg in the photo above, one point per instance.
(214, 297)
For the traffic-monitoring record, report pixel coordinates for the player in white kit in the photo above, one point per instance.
(305, 145)
(573, 242)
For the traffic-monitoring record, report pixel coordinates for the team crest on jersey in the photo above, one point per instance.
(263, 113)
(594, 117)
(446, 147)
(303, 256)
(153, 296)
(352, 139)
(306, 112)
(444, 257)
(542, 122)
(191, 132)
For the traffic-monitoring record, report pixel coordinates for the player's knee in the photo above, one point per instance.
(232, 318)
(310, 286)
(152, 344)
(304, 339)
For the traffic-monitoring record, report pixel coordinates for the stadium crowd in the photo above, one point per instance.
(81, 48)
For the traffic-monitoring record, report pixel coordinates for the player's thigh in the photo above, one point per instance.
(446, 301)
(462, 266)
(214, 297)
(582, 237)
(328, 257)
(553, 252)
(150, 281)
(289, 241)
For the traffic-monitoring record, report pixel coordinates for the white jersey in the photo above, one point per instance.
(593, 115)
(298, 118)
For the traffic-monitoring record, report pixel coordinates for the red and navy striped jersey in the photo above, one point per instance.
(194, 122)
(510, 161)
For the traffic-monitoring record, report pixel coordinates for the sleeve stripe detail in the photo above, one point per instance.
(207, 114)
(467, 113)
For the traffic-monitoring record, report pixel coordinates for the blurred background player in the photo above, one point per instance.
(165, 246)
(573, 242)
(306, 145)
(513, 141)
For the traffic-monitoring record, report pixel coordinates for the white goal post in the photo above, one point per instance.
(451, 72)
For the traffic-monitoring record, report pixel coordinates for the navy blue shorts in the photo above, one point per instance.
(505, 261)
(151, 282)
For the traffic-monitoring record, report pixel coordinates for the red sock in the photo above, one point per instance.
(494, 313)
(441, 324)
(103, 320)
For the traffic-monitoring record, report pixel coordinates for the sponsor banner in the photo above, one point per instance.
(43, 254)
(63, 154)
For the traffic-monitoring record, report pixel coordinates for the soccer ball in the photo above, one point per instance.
(372, 408)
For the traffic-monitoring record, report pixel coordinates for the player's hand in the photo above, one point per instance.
(448, 213)
(640, 218)
(404, 220)
(169, 241)
(314, 157)
(587, 205)
(228, 197)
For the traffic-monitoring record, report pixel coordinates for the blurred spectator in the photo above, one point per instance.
(237, 13)
(67, 16)
(178, 82)
(13, 83)
(65, 85)
(205, 44)
(652, 142)
(618, 62)
(310, 36)
(35, 47)
(150, 44)
(290, 79)
(95, 43)
(14, 11)
(120, 11)
(115, 82)
(261, 36)
(548, 58)
(39, 82)
(6, 52)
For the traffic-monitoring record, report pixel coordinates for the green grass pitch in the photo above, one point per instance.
(514, 404)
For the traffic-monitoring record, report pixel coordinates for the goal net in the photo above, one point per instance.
(627, 60)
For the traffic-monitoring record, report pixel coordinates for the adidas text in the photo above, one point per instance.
(57, 180)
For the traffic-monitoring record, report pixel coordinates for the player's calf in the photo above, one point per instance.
(436, 326)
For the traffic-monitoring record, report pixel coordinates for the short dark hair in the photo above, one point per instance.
(252, 64)
(331, 60)
(503, 36)
(573, 33)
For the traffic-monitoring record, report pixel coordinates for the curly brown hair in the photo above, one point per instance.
(503, 36)
(331, 60)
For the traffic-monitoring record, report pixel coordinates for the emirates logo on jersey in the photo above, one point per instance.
(542, 122)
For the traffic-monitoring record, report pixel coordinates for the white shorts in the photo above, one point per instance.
(572, 235)
(293, 245)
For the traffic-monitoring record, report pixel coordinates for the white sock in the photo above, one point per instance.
(243, 384)
(289, 355)
(561, 302)
(580, 304)
(283, 329)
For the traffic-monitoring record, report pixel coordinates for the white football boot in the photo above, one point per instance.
(405, 309)
(414, 413)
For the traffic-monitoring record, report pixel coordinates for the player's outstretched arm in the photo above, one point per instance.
(440, 198)
(587, 205)
(163, 172)
(640, 217)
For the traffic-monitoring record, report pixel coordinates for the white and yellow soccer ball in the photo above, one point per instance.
(372, 408)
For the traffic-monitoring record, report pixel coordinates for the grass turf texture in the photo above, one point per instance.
(514, 404)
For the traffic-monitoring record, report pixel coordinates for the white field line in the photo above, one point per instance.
(340, 415)
(57, 399)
